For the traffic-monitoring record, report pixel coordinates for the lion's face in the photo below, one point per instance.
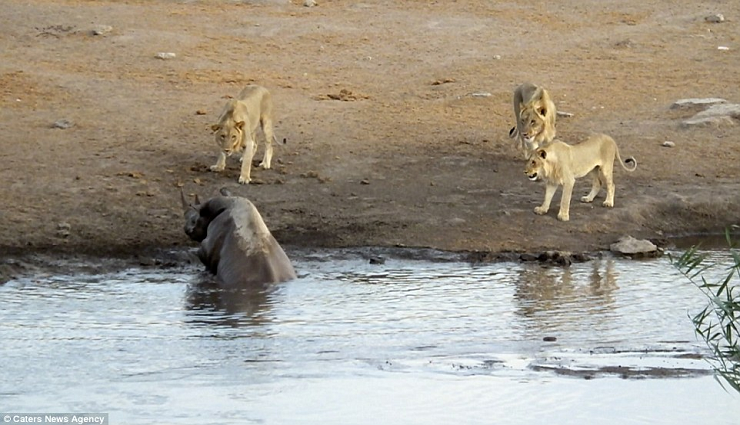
(533, 123)
(536, 165)
(229, 137)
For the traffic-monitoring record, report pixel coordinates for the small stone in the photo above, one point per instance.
(309, 3)
(715, 19)
(165, 55)
(549, 339)
(497, 57)
(200, 112)
(62, 124)
(365, 181)
(481, 94)
(668, 144)
(723, 48)
(563, 114)
(63, 229)
(102, 29)
(377, 260)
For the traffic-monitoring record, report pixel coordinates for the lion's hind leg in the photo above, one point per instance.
(595, 185)
(607, 177)
(269, 134)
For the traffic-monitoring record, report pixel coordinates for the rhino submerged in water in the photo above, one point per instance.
(235, 243)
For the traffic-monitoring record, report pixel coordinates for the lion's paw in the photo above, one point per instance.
(243, 180)
(608, 204)
(265, 165)
(216, 168)
(563, 217)
(586, 199)
(540, 210)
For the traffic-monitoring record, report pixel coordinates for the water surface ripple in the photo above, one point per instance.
(407, 341)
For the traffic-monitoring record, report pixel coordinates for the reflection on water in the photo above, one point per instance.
(349, 342)
(210, 305)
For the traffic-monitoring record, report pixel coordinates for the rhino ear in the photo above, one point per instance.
(197, 201)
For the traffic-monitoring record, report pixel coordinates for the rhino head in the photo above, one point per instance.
(196, 226)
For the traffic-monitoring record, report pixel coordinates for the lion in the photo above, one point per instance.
(561, 164)
(237, 129)
(535, 117)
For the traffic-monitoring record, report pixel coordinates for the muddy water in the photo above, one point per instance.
(405, 342)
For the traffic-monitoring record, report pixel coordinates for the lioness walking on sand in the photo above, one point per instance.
(237, 129)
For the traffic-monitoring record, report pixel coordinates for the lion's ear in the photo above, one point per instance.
(542, 153)
(216, 127)
(542, 111)
(239, 125)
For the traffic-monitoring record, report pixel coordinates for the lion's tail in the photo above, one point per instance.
(275, 140)
(628, 160)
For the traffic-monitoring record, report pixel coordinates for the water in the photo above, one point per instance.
(405, 342)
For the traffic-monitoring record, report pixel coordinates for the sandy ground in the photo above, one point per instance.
(396, 115)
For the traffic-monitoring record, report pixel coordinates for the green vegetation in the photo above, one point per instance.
(717, 323)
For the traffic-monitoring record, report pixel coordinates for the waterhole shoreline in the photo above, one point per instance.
(19, 262)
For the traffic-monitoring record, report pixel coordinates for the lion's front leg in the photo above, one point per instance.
(549, 192)
(246, 170)
(564, 214)
(220, 163)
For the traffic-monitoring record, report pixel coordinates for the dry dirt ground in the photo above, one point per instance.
(392, 138)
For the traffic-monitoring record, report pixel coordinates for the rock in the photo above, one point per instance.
(377, 260)
(718, 113)
(480, 94)
(309, 3)
(563, 114)
(165, 55)
(723, 48)
(497, 57)
(694, 102)
(527, 257)
(62, 124)
(102, 29)
(708, 121)
(632, 247)
(549, 339)
(715, 19)
(668, 144)
(63, 229)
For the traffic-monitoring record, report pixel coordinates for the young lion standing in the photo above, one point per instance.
(535, 117)
(237, 129)
(561, 164)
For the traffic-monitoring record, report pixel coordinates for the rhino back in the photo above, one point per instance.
(240, 249)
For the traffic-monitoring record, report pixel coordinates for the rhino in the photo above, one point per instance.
(235, 244)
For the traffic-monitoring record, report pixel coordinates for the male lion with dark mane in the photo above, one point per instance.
(535, 117)
(561, 164)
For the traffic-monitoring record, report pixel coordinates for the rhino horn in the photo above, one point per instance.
(185, 205)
